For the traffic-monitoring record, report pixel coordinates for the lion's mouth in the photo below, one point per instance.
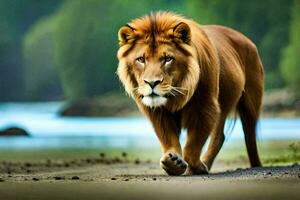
(153, 95)
(154, 100)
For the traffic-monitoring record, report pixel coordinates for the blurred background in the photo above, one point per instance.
(58, 63)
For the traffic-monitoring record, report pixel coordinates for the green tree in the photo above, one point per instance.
(82, 37)
(290, 65)
(16, 16)
(85, 42)
(40, 77)
(264, 22)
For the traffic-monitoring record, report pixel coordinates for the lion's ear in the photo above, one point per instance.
(126, 34)
(182, 31)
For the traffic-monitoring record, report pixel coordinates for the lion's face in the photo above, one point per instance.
(159, 68)
(157, 73)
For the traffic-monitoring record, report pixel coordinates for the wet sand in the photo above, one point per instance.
(119, 178)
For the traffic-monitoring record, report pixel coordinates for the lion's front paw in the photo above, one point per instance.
(173, 164)
(199, 168)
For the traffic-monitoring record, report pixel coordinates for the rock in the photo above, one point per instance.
(67, 164)
(14, 131)
(27, 164)
(58, 178)
(75, 178)
(105, 105)
(269, 173)
(137, 161)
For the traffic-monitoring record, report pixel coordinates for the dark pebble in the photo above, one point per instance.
(35, 179)
(102, 155)
(28, 164)
(113, 179)
(124, 154)
(1, 180)
(137, 161)
(67, 165)
(75, 178)
(58, 178)
(126, 179)
(28, 170)
(269, 173)
(144, 179)
(154, 179)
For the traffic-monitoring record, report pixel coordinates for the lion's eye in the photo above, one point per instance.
(141, 60)
(168, 59)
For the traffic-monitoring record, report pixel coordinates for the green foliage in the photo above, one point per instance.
(86, 43)
(264, 22)
(40, 76)
(290, 65)
(16, 17)
(80, 40)
(290, 155)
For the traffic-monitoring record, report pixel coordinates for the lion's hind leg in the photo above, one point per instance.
(249, 113)
(249, 106)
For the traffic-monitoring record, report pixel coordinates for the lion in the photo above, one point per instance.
(183, 75)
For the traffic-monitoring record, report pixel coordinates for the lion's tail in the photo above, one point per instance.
(249, 108)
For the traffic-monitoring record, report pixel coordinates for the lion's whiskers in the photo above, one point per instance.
(178, 90)
(172, 90)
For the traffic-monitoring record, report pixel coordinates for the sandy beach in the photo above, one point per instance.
(106, 178)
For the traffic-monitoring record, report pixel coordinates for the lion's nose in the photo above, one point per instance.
(153, 83)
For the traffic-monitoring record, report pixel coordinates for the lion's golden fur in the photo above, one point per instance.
(213, 70)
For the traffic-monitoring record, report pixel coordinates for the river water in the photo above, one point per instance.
(49, 130)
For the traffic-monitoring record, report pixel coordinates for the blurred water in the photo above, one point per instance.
(48, 130)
